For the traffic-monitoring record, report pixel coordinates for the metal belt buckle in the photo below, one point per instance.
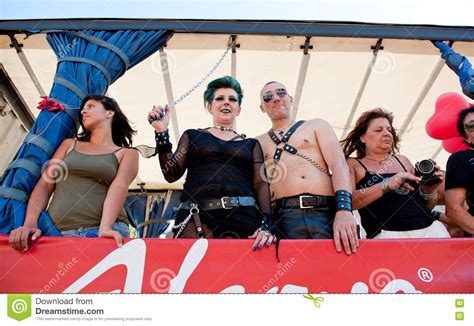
(301, 201)
(223, 202)
(193, 208)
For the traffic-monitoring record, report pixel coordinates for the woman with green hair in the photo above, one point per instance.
(226, 194)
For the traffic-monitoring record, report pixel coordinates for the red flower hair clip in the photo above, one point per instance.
(50, 105)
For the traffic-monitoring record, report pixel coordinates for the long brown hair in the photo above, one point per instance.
(122, 132)
(352, 142)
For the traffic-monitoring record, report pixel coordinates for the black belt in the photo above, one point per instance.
(221, 203)
(305, 201)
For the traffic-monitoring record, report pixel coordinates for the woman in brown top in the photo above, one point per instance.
(88, 176)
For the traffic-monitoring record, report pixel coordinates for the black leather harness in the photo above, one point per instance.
(290, 149)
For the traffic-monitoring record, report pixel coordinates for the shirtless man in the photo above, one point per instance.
(302, 189)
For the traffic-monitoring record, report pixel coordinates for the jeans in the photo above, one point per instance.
(307, 223)
(93, 231)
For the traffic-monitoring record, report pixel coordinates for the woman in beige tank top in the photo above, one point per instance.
(88, 176)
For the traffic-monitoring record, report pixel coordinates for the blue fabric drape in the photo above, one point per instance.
(159, 217)
(460, 65)
(88, 62)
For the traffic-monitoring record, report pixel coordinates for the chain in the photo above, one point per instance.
(230, 42)
(193, 210)
(306, 158)
(182, 225)
(315, 164)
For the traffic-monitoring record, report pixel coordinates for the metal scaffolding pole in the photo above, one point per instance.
(437, 151)
(26, 64)
(420, 98)
(301, 76)
(233, 65)
(376, 48)
(169, 91)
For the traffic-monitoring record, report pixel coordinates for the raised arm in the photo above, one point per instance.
(39, 199)
(127, 171)
(173, 166)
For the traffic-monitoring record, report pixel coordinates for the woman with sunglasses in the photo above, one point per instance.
(225, 194)
(89, 177)
(392, 201)
(460, 176)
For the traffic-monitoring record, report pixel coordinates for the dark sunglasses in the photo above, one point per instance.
(469, 126)
(281, 92)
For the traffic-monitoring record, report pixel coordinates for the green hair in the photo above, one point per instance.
(223, 82)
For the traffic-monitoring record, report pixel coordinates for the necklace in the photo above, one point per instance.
(221, 128)
(281, 131)
(380, 161)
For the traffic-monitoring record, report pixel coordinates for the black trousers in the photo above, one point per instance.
(307, 223)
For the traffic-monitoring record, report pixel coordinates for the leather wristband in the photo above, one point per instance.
(343, 201)
(163, 141)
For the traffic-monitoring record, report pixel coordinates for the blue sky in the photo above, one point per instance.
(437, 12)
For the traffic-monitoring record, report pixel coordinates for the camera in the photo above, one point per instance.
(425, 169)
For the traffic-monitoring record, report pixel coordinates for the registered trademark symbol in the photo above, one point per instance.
(425, 275)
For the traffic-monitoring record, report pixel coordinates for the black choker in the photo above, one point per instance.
(221, 128)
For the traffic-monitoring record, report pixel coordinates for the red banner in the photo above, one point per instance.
(91, 265)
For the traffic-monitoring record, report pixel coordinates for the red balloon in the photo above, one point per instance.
(454, 145)
(442, 124)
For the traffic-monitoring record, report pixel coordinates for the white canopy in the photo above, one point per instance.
(407, 76)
